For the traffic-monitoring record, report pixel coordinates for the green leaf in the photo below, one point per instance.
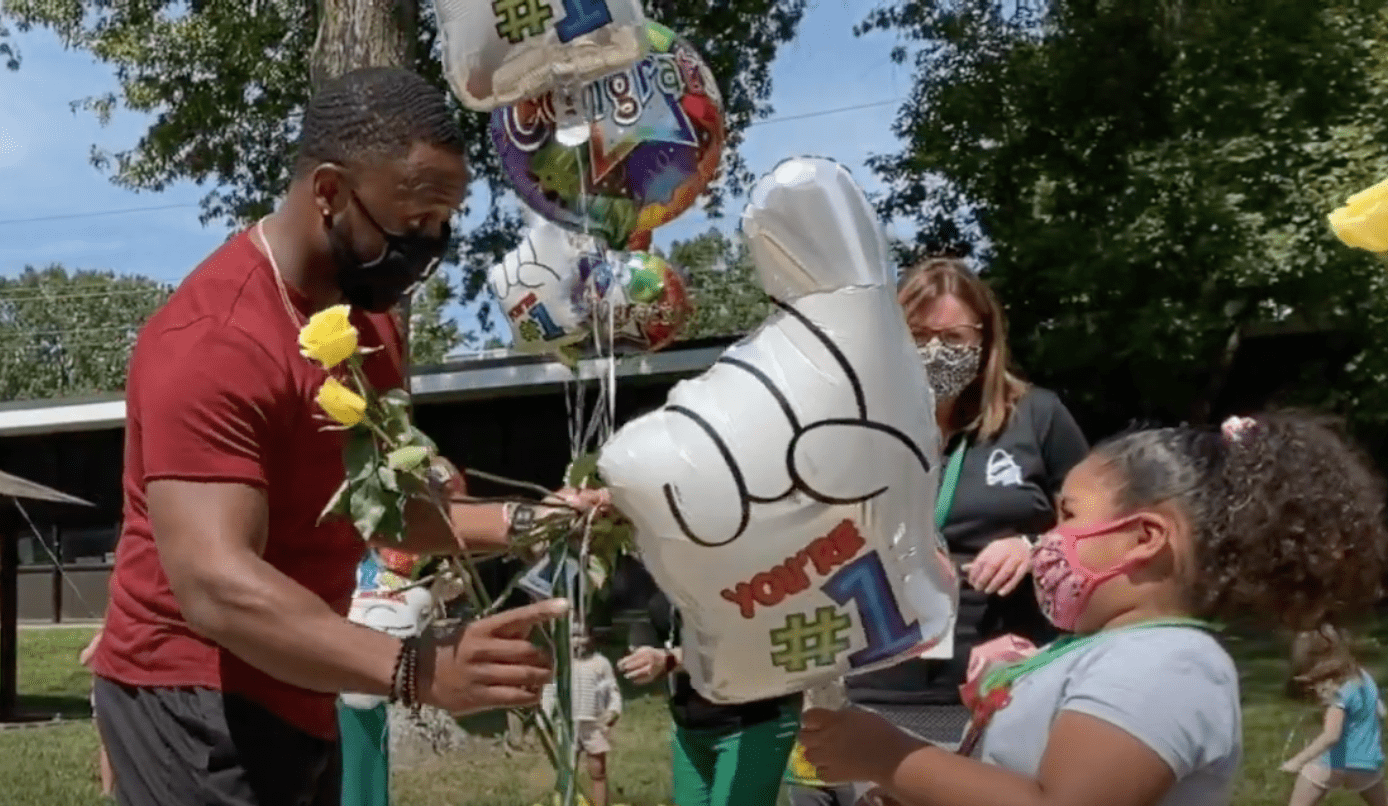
(396, 399)
(408, 457)
(388, 479)
(340, 505)
(359, 455)
(597, 572)
(391, 526)
(418, 437)
(368, 507)
(582, 470)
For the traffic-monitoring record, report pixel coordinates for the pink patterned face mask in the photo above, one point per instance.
(1063, 583)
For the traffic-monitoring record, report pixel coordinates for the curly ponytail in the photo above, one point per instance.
(1287, 517)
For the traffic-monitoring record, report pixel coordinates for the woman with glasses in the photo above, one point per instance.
(1008, 445)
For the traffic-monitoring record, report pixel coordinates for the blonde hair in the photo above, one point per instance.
(986, 405)
(1321, 658)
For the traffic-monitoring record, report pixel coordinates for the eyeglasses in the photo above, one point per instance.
(956, 336)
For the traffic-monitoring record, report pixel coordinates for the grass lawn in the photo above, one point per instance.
(57, 764)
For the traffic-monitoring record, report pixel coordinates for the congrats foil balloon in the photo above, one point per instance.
(784, 499)
(654, 138)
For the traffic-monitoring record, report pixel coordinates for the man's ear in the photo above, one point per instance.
(331, 192)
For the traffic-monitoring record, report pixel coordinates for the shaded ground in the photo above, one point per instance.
(56, 764)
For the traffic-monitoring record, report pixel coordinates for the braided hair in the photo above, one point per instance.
(375, 113)
(1287, 518)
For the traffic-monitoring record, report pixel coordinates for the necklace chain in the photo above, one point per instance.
(296, 317)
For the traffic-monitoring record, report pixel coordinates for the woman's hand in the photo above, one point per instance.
(644, 664)
(582, 499)
(853, 745)
(1293, 765)
(1001, 566)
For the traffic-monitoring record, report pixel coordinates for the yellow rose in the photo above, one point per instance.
(1363, 221)
(341, 403)
(329, 337)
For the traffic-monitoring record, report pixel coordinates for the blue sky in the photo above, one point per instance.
(46, 173)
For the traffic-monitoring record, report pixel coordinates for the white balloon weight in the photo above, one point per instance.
(784, 499)
(401, 614)
(539, 287)
(499, 52)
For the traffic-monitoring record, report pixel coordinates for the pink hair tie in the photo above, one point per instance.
(1234, 428)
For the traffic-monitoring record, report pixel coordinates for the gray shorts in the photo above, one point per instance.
(197, 747)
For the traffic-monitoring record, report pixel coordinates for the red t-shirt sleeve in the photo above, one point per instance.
(204, 413)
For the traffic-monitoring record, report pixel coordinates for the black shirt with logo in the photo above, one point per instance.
(1006, 487)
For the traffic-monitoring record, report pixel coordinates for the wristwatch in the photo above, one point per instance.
(520, 517)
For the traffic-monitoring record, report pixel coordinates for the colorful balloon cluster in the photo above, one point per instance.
(558, 287)
(608, 125)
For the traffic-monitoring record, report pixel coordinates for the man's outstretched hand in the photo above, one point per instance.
(491, 663)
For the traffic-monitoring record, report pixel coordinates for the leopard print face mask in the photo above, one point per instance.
(950, 368)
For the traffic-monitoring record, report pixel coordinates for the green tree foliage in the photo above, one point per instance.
(433, 334)
(728, 297)
(9, 54)
(1145, 181)
(65, 335)
(227, 82)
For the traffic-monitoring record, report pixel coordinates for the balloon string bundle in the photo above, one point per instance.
(586, 429)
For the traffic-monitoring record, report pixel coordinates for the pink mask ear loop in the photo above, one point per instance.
(1069, 541)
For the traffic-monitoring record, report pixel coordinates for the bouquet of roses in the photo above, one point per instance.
(389, 463)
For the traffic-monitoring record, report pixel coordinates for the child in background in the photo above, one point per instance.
(597, 705)
(1274, 520)
(1348, 754)
(108, 776)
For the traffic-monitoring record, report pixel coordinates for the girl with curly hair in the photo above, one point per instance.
(1275, 520)
(1348, 753)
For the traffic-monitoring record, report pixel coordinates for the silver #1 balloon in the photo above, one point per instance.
(784, 499)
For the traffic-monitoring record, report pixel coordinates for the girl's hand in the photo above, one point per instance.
(853, 745)
(1001, 566)
(1293, 765)
(644, 664)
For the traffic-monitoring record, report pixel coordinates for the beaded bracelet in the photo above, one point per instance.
(405, 677)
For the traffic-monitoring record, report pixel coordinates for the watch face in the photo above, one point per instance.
(522, 517)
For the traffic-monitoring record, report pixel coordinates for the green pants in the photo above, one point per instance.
(734, 768)
(365, 756)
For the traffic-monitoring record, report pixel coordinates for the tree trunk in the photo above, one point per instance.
(382, 33)
(367, 33)
(363, 33)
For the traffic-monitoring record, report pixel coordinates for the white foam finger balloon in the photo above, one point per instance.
(539, 287)
(784, 499)
(499, 52)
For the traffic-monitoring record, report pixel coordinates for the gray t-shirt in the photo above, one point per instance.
(1173, 688)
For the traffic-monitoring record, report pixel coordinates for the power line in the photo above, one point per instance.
(823, 112)
(19, 331)
(123, 211)
(42, 296)
(95, 213)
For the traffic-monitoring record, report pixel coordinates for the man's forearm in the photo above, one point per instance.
(470, 527)
(281, 628)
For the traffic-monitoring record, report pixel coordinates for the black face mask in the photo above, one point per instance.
(378, 285)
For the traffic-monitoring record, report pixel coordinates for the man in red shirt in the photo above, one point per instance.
(226, 641)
